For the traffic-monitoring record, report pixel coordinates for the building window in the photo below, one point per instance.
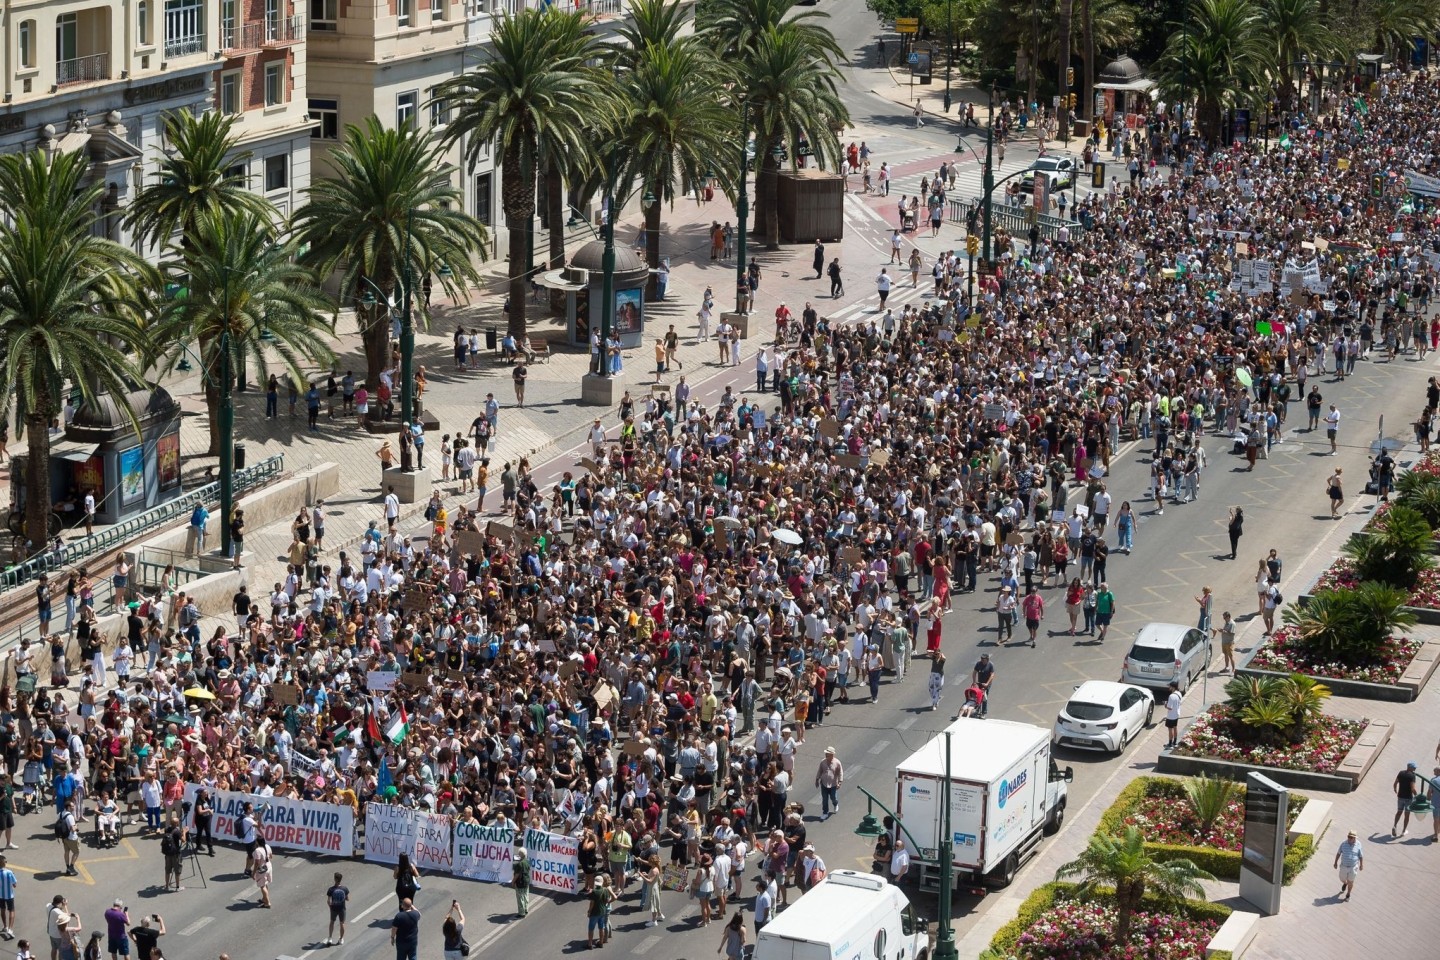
(326, 113)
(484, 186)
(65, 37)
(27, 44)
(229, 26)
(142, 22)
(184, 27)
(274, 83)
(439, 112)
(437, 9)
(230, 92)
(324, 14)
(403, 8)
(272, 19)
(237, 173)
(405, 107)
(277, 173)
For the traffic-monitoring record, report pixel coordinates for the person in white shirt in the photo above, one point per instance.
(1172, 714)
(899, 862)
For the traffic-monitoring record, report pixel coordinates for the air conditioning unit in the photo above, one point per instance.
(576, 275)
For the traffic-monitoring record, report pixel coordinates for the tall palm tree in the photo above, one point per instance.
(391, 194)
(1295, 28)
(1219, 60)
(1397, 22)
(673, 126)
(652, 22)
(69, 305)
(193, 177)
(1067, 18)
(248, 296)
(790, 86)
(531, 98)
(1123, 863)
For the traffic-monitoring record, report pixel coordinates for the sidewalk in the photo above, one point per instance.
(1312, 923)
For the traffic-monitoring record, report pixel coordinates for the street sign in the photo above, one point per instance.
(907, 24)
(914, 58)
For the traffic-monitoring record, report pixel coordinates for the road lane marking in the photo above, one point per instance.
(644, 946)
(879, 747)
(908, 722)
(195, 927)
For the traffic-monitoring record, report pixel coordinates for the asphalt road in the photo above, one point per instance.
(1174, 556)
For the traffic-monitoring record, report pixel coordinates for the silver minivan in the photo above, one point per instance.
(1166, 652)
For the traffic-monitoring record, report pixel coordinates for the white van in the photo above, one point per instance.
(847, 916)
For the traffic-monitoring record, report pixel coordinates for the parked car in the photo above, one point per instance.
(1163, 652)
(1103, 715)
(1060, 171)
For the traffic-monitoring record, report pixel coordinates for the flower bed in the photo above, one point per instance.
(1157, 806)
(1342, 576)
(1283, 653)
(1217, 735)
(1054, 924)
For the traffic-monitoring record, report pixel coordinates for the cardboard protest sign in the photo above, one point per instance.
(285, 694)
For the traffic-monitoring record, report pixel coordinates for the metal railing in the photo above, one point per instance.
(1015, 220)
(121, 533)
(271, 31)
(83, 69)
(102, 593)
(185, 46)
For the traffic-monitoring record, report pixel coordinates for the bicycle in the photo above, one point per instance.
(15, 521)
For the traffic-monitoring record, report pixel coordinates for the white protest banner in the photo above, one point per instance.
(307, 825)
(379, 681)
(554, 861)
(483, 853)
(389, 832)
(432, 842)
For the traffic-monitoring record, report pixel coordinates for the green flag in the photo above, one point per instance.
(1362, 107)
(1284, 141)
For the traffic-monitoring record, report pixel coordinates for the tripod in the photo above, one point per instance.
(195, 865)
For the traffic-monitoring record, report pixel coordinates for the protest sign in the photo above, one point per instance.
(307, 825)
(554, 861)
(483, 853)
(285, 694)
(379, 681)
(389, 832)
(432, 842)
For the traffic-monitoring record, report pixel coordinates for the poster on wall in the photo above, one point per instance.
(167, 461)
(132, 476)
(629, 312)
(90, 475)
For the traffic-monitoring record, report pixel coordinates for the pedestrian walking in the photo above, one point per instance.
(1005, 614)
(650, 874)
(818, 261)
(1235, 527)
(337, 898)
(982, 675)
(1406, 787)
(874, 666)
(69, 833)
(1332, 427)
(837, 285)
(405, 931)
(937, 679)
(8, 883)
(596, 914)
(1033, 606)
(732, 938)
(518, 376)
(1335, 487)
(1172, 715)
(1349, 860)
(264, 870)
(919, 114)
(1104, 610)
(829, 777)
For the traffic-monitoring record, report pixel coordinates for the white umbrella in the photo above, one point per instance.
(787, 536)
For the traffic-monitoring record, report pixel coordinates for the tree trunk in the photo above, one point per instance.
(518, 199)
(1067, 17)
(760, 209)
(767, 218)
(1087, 90)
(1034, 55)
(652, 250)
(212, 410)
(37, 479)
(555, 205)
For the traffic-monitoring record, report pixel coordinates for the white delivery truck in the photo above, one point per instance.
(1005, 792)
(846, 916)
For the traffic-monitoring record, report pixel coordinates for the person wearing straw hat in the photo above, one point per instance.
(828, 778)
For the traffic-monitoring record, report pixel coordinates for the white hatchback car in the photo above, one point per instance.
(1104, 715)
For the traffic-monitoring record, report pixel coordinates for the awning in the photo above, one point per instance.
(73, 450)
(555, 280)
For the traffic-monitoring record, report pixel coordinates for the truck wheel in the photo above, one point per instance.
(1056, 820)
(1006, 874)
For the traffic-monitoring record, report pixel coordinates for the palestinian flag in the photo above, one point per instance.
(397, 726)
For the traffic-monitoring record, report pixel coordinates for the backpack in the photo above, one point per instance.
(62, 829)
(1279, 598)
(337, 896)
(168, 845)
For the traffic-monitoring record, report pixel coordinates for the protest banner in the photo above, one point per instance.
(554, 861)
(380, 681)
(285, 694)
(471, 542)
(483, 853)
(432, 842)
(307, 825)
(389, 832)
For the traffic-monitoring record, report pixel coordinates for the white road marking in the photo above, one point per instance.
(195, 927)
(879, 747)
(644, 946)
(355, 920)
(907, 723)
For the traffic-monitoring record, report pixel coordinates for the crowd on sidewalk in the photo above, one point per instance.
(754, 557)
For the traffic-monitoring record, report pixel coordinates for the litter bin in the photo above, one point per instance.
(492, 339)
(238, 461)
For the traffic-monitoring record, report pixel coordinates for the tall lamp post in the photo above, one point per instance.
(407, 327)
(989, 180)
(742, 213)
(227, 441)
(945, 932)
(949, 48)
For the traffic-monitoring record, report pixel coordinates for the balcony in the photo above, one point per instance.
(82, 70)
(274, 32)
(185, 45)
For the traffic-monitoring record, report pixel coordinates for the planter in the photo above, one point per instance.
(1352, 769)
(1429, 616)
(1421, 667)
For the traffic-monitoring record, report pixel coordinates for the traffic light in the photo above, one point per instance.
(1070, 77)
(972, 245)
(1097, 176)
(1377, 186)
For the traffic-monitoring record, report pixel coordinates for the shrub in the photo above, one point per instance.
(1208, 797)
(1396, 553)
(1351, 625)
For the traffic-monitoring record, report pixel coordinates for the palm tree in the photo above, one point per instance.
(1067, 18)
(784, 65)
(1219, 60)
(1397, 22)
(672, 128)
(194, 177)
(391, 196)
(532, 98)
(1207, 798)
(1295, 28)
(247, 296)
(69, 304)
(1124, 863)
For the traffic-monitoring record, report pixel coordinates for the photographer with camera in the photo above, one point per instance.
(147, 937)
(172, 845)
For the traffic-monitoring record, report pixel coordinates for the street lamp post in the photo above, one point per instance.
(742, 213)
(407, 333)
(227, 443)
(949, 48)
(607, 269)
(989, 174)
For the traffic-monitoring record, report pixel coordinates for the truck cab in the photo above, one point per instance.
(847, 916)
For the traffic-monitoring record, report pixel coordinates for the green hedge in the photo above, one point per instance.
(1223, 864)
(1043, 899)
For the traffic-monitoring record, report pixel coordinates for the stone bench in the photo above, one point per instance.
(1312, 821)
(1234, 935)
